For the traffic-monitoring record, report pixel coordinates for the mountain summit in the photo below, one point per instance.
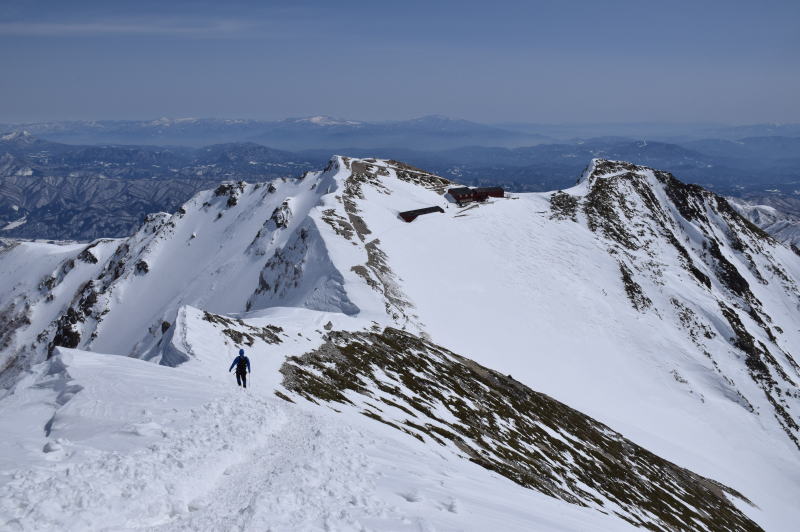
(666, 321)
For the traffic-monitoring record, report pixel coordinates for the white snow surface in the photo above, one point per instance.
(94, 441)
(134, 445)
(16, 223)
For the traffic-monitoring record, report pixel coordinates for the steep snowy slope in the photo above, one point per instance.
(208, 254)
(649, 305)
(239, 247)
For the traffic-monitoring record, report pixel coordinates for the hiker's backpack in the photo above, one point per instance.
(241, 365)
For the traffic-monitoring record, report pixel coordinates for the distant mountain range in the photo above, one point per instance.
(428, 132)
(56, 190)
(59, 191)
(725, 166)
(664, 132)
(433, 132)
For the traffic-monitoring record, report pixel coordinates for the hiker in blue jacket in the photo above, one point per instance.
(242, 364)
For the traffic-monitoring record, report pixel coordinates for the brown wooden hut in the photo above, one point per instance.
(410, 216)
(463, 195)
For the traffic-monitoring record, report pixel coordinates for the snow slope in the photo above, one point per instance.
(198, 256)
(646, 304)
(136, 445)
(524, 289)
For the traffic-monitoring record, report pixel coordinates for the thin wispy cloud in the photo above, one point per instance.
(215, 28)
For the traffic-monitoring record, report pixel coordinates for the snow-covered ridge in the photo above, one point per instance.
(649, 305)
(240, 247)
(653, 222)
(784, 227)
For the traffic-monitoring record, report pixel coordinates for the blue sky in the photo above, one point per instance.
(537, 61)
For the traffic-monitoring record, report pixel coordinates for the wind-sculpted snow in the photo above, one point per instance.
(301, 274)
(168, 483)
(491, 419)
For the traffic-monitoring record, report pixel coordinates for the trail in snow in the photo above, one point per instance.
(150, 486)
(193, 453)
(242, 461)
(306, 475)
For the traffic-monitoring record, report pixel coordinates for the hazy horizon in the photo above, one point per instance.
(498, 123)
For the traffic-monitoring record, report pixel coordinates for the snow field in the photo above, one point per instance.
(162, 448)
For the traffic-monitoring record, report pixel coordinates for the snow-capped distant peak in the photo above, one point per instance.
(15, 136)
(325, 120)
(164, 121)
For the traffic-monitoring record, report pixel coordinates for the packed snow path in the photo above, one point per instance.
(198, 453)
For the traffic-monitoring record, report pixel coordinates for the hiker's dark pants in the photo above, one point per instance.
(241, 379)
